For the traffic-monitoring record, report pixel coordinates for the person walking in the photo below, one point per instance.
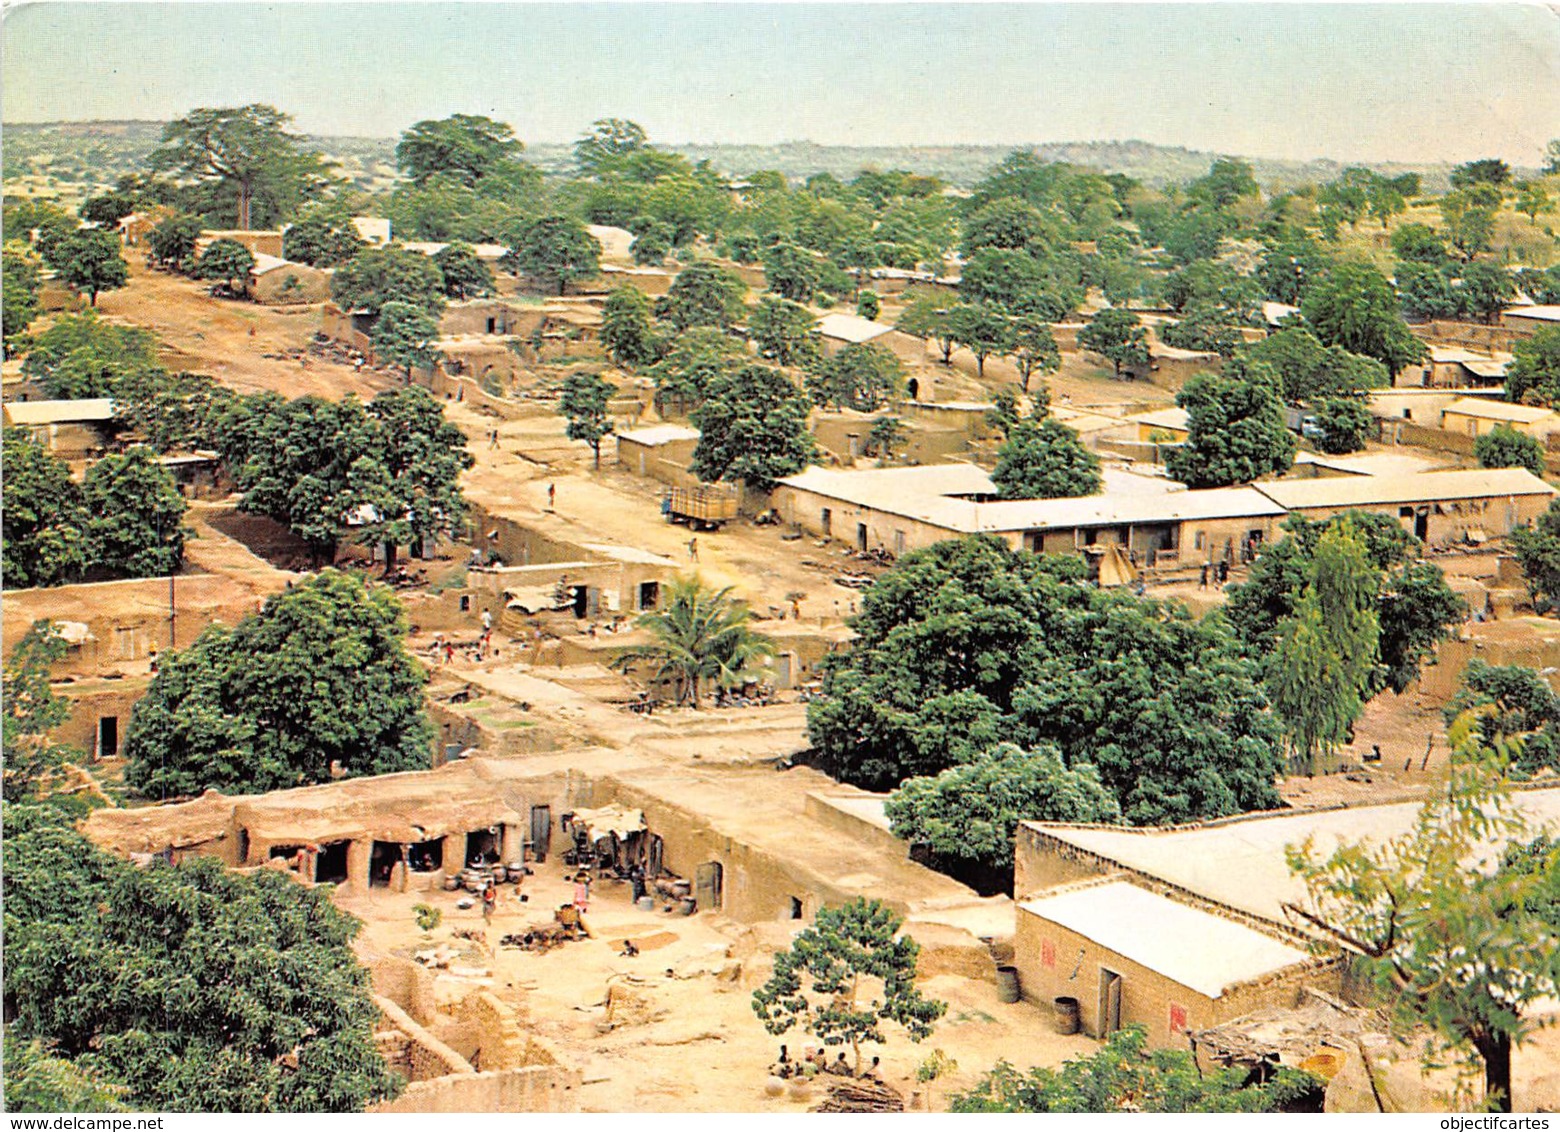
(693, 550)
(489, 901)
(552, 495)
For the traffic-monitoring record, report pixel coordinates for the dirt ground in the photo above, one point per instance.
(229, 339)
(685, 1038)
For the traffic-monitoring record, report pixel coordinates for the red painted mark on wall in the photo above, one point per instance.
(1047, 953)
(1177, 1018)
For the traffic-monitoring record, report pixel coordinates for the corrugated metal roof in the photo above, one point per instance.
(1497, 410)
(1186, 945)
(23, 413)
(851, 328)
(659, 434)
(1541, 312)
(1422, 487)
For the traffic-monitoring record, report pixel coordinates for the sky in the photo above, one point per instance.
(1407, 82)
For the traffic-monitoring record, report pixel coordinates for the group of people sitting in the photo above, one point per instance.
(817, 1061)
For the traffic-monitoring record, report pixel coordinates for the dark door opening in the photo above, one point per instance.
(707, 885)
(426, 856)
(581, 600)
(1110, 1003)
(108, 736)
(243, 846)
(492, 326)
(541, 831)
(826, 520)
(331, 866)
(482, 847)
(649, 595)
(861, 536)
(796, 908)
(656, 859)
(1422, 524)
(382, 860)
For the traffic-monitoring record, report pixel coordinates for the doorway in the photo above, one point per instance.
(861, 537)
(482, 847)
(541, 831)
(649, 595)
(581, 600)
(1110, 1003)
(108, 736)
(426, 856)
(826, 521)
(382, 860)
(707, 885)
(331, 866)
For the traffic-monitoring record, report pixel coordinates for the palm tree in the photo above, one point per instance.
(700, 634)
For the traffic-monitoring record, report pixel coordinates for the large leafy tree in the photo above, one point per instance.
(967, 814)
(844, 976)
(254, 171)
(584, 404)
(318, 681)
(627, 330)
(692, 362)
(1032, 347)
(609, 143)
(321, 240)
(91, 261)
(1538, 553)
(1117, 336)
(862, 376)
(1126, 1076)
(704, 294)
(1307, 370)
(1455, 943)
(376, 276)
(982, 329)
(83, 356)
(32, 711)
(1236, 430)
(752, 427)
(173, 240)
(19, 291)
(1354, 307)
(38, 1081)
(1515, 703)
(1344, 424)
(926, 316)
(465, 147)
(699, 635)
(45, 530)
(967, 643)
(1533, 377)
(465, 276)
(1415, 607)
(1505, 447)
(557, 249)
(181, 988)
(404, 334)
(783, 331)
(1045, 460)
(226, 261)
(135, 527)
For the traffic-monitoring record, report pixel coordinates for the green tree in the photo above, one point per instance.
(981, 329)
(967, 815)
(1008, 223)
(1427, 292)
(885, 435)
(19, 290)
(557, 249)
(752, 427)
(584, 402)
(376, 276)
(1354, 307)
(1000, 277)
(1236, 431)
(1505, 447)
(626, 328)
(83, 356)
(926, 316)
(699, 635)
(1204, 327)
(1485, 171)
(318, 681)
(862, 376)
(1126, 1076)
(404, 334)
(227, 261)
(1513, 705)
(704, 294)
(1532, 198)
(91, 261)
(1323, 667)
(784, 331)
(1308, 371)
(253, 169)
(410, 476)
(135, 527)
(1345, 424)
(1045, 460)
(693, 360)
(1116, 336)
(465, 276)
(1420, 243)
(31, 711)
(1485, 290)
(321, 241)
(868, 305)
(45, 539)
(791, 272)
(1033, 347)
(173, 240)
(1538, 553)
(824, 980)
(610, 141)
(1450, 940)
(183, 988)
(465, 147)
(37, 1081)
(1533, 377)
(1468, 215)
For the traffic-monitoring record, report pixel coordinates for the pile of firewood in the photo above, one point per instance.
(861, 1096)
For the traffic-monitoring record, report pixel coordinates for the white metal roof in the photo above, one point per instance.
(1455, 354)
(659, 434)
(1542, 313)
(1487, 367)
(1241, 863)
(59, 412)
(1497, 410)
(1115, 509)
(1369, 463)
(372, 229)
(1421, 487)
(1165, 418)
(851, 328)
(1191, 947)
(267, 263)
(1275, 313)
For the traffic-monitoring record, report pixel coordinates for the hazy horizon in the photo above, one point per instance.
(1379, 83)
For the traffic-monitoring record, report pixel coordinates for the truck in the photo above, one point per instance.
(703, 508)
